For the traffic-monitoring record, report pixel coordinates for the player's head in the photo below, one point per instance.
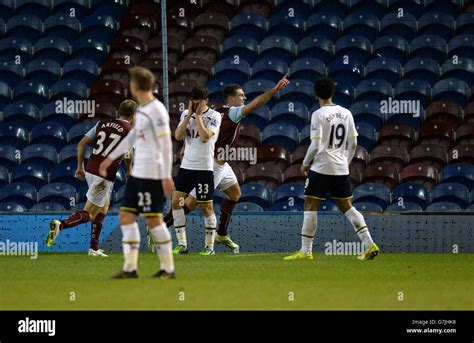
(234, 95)
(324, 88)
(127, 110)
(142, 80)
(197, 95)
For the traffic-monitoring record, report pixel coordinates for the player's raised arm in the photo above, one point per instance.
(262, 99)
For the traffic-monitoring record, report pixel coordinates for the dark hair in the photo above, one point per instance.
(127, 108)
(324, 88)
(143, 77)
(199, 93)
(230, 90)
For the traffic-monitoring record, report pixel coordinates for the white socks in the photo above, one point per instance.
(130, 246)
(163, 241)
(359, 225)
(210, 225)
(179, 219)
(310, 223)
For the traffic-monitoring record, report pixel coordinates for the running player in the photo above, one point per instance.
(150, 179)
(333, 144)
(199, 127)
(232, 113)
(105, 136)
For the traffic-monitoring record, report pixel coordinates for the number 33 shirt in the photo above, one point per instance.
(334, 126)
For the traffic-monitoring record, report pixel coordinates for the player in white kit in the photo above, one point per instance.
(333, 145)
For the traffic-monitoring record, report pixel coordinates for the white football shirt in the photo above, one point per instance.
(334, 126)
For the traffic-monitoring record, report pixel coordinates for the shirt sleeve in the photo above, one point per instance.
(316, 127)
(214, 123)
(235, 113)
(92, 131)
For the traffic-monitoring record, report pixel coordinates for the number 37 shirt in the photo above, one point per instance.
(334, 126)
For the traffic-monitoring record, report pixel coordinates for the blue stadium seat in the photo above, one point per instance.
(69, 153)
(94, 50)
(65, 7)
(25, 26)
(253, 88)
(229, 72)
(372, 192)
(323, 25)
(15, 46)
(78, 131)
(14, 134)
(451, 192)
(369, 7)
(343, 95)
(413, 7)
(32, 172)
(281, 24)
(2, 27)
(368, 112)
(384, 68)
(21, 112)
(46, 70)
(411, 192)
(215, 88)
(317, 47)
(38, 7)
(256, 193)
(47, 207)
(81, 69)
(332, 8)
(49, 133)
(373, 90)
(99, 26)
(121, 192)
(422, 69)
(61, 193)
(297, 8)
(285, 206)
(269, 69)
(461, 46)
(4, 175)
(10, 72)
(62, 26)
(20, 192)
(50, 113)
(443, 206)
(34, 91)
(114, 8)
(248, 24)
(11, 207)
(246, 48)
(391, 46)
(465, 23)
(451, 7)
(289, 192)
(437, 24)
(406, 207)
(53, 48)
(295, 113)
(368, 207)
(305, 135)
(470, 208)
(328, 205)
(451, 90)
(393, 25)
(82, 192)
(352, 48)
(367, 136)
(459, 172)
(298, 90)
(6, 9)
(307, 69)
(65, 172)
(284, 135)
(413, 90)
(247, 207)
(429, 46)
(280, 47)
(361, 24)
(259, 117)
(462, 70)
(70, 89)
(40, 153)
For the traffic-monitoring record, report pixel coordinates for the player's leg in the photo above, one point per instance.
(360, 227)
(204, 194)
(188, 206)
(97, 220)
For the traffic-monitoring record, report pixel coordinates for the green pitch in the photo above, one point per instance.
(71, 281)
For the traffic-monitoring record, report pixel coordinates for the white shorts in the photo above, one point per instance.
(224, 177)
(99, 189)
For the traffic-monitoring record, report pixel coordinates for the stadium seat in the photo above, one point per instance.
(282, 24)
(49, 133)
(420, 173)
(245, 207)
(436, 133)
(11, 73)
(307, 69)
(351, 47)
(464, 134)
(62, 26)
(11, 207)
(465, 23)
(305, 135)
(367, 111)
(47, 207)
(284, 135)
(66, 7)
(4, 175)
(53, 48)
(351, 72)
(367, 135)
(40, 153)
(328, 205)
(298, 90)
(245, 48)
(295, 113)
(392, 47)
(46, 70)
(449, 7)
(14, 134)
(396, 155)
(57, 192)
(300, 8)
(248, 24)
(422, 69)
(271, 69)
(411, 192)
(392, 24)
(275, 154)
(323, 25)
(360, 159)
(374, 90)
(433, 154)
(461, 153)
(12, 47)
(51, 113)
(6, 9)
(91, 49)
(289, 192)
(257, 194)
(317, 47)
(34, 173)
(212, 24)
(203, 46)
(298, 155)
(444, 111)
(452, 90)
(229, 72)
(381, 172)
(278, 47)
(65, 172)
(418, 90)
(81, 69)
(199, 69)
(343, 94)
(437, 24)
(428, 46)
(24, 26)
(443, 207)
(253, 88)
(361, 24)
(111, 88)
(33, 91)
(368, 207)
(69, 89)
(19, 192)
(405, 207)
(462, 70)
(21, 112)
(249, 133)
(293, 174)
(451, 192)
(377, 7)
(285, 206)
(384, 68)
(265, 173)
(99, 26)
(372, 192)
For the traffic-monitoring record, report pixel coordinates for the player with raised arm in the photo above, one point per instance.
(105, 136)
(232, 113)
(333, 145)
(150, 179)
(199, 127)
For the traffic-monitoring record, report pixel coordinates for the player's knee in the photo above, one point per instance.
(191, 203)
(126, 218)
(311, 204)
(207, 208)
(154, 221)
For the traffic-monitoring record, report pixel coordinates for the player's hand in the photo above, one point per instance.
(104, 166)
(281, 84)
(201, 108)
(168, 187)
(80, 174)
(304, 170)
(190, 109)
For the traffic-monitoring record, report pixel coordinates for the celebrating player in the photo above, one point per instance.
(232, 113)
(150, 178)
(105, 135)
(333, 144)
(199, 126)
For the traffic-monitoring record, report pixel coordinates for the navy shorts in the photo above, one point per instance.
(320, 186)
